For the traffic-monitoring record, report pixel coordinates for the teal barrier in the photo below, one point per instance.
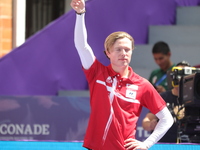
(29, 145)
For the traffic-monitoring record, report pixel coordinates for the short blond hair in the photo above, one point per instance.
(113, 37)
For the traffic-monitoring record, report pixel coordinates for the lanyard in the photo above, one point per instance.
(161, 79)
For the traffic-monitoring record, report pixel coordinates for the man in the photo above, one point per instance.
(161, 54)
(117, 94)
(171, 98)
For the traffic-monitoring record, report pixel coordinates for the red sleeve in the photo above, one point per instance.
(151, 99)
(93, 71)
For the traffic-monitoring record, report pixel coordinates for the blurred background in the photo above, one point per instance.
(40, 72)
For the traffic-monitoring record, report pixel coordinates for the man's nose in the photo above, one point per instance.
(123, 51)
(158, 62)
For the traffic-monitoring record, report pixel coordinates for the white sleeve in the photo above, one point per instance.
(164, 123)
(80, 38)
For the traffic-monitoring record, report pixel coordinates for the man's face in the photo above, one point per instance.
(162, 60)
(120, 53)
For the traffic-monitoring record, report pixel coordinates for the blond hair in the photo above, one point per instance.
(113, 37)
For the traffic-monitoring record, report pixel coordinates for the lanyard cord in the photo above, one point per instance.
(161, 79)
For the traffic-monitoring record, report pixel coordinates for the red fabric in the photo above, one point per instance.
(134, 93)
(197, 66)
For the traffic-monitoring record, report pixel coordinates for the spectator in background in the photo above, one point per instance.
(161, 54)
(171, 98)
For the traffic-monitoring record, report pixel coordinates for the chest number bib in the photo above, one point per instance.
(130, 94)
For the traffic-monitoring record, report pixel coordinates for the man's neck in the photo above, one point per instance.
(124, 71)
(175, 91)
(167, 68)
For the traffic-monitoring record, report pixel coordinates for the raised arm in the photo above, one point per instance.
(80, 35)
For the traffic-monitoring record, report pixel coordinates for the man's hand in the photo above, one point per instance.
(134, 144)
(149, 122)
(153, 124)
(180, 113)
(160, 89)
(78, 5)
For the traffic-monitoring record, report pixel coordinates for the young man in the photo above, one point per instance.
(117, 94)
(171, 98)
(161, 54)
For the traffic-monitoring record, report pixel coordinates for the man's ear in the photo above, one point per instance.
(169, 54)
(106, 52)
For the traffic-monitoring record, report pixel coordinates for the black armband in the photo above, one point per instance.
(81, 12)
